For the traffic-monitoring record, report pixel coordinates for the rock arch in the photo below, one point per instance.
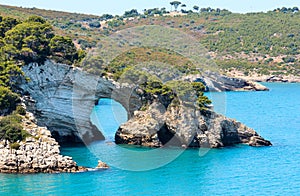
(62, 98)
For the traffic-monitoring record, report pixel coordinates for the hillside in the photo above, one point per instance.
(247, 44)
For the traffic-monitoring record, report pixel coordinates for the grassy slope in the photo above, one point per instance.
(257, 42)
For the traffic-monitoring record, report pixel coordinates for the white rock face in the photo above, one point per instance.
(62, 98)
(39, 153)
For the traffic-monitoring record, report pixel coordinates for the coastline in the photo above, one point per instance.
(265, 78)
(39, 153)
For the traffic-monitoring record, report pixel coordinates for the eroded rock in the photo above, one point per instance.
(185, 125)
(37, 154)
(62, 97)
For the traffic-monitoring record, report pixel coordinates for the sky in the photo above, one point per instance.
(118, 7)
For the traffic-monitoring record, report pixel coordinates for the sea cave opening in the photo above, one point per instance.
(107, 116)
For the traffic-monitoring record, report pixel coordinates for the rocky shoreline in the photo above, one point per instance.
(39, 153)
(265, 78)
(62, 97)
(216, 82)
(184, 125)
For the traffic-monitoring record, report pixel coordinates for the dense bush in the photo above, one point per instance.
(20, 110)
(86, 44)
(63, 50)
(94, 65)
(182, 90)
(131, 13)
(95, 24)
(8, 100)
(11, 129)
(32, 40)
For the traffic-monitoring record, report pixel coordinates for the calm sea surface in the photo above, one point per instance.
(239, 170)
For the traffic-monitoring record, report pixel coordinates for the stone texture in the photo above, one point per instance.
(62, 98)
(39, 153)
(185, 125)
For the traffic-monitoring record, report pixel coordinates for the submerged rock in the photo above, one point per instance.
(185, 125)
(102, 165)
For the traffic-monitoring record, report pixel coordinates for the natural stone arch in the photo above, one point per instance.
(63, 98)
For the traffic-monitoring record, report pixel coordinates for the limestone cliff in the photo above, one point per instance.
(62, 98)
(185, 125)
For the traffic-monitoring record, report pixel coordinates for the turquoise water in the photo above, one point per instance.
(239, 170)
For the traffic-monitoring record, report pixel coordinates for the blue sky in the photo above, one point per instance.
(100, 7)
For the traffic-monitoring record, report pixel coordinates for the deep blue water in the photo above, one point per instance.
(239, 170)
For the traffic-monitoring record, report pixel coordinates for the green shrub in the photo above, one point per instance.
(95, 24)
(11, 128)
(15, 145)
(8, 100)
(20, 110)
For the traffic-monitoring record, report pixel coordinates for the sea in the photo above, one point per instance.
(235, 170)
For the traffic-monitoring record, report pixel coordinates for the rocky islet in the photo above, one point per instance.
(61, 97)
(184, 125)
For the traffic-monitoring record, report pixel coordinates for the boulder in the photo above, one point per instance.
(102, 165)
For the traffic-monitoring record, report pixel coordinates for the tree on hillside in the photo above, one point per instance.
(175, 4)
(63, 49)
(106, 17)
(203, 10)
(295, 9)
(35, 19)
(95, 24)
(28, 41)
(196, 8)
(183, 5)
(8, 100)
(6, 24)
(131, 13)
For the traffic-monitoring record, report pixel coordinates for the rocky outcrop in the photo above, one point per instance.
(39, 153)
(62, 98)
(218, 83)
(102, 165)
(276, 79)
(290, 78)
(185, 125)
